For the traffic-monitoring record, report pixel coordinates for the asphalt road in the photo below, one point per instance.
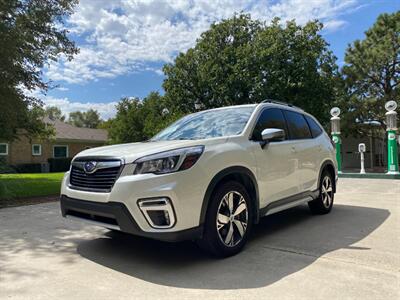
(352, 253)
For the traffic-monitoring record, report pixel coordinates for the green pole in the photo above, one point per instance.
(336, 139)
(393, 164)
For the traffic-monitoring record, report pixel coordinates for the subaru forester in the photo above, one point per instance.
(208, 177)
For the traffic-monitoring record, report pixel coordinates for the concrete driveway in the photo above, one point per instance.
(352, 253)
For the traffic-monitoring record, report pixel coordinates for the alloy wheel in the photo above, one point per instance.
(327, 191)
(232, 218)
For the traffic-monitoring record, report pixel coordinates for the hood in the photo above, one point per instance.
(132, 151)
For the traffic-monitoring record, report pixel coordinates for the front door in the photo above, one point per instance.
(277, 163)
(307, 151)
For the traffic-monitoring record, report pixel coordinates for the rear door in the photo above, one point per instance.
(306, 150)
(276, 163)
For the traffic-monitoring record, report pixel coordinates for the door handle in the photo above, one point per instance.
(293, 150)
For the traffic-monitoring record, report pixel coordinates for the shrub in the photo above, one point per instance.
(28, 168)
(59, 164)
(4, 167)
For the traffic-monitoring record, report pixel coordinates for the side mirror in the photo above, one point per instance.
(272, 134)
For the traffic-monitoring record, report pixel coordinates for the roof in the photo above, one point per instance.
(66, 131)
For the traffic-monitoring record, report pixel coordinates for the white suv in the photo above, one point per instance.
(208, 177)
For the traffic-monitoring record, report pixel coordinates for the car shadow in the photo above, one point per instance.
(281, 244)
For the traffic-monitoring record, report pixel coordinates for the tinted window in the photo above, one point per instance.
(269, 118)
(208, 124)
(298, 127)
(316, 130)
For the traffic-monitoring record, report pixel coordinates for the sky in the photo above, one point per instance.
(124, 43)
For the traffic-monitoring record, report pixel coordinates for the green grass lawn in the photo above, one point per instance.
(29, 185)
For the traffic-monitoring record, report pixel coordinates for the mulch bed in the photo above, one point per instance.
(28, 201)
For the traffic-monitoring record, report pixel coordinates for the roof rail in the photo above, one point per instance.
(280, 103)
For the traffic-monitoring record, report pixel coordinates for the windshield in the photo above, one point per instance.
(207, 124)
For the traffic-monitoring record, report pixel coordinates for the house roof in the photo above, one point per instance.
(66, 131)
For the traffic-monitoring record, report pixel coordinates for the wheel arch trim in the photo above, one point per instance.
(239, 170)
(325, 164)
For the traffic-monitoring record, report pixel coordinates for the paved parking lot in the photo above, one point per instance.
(352, 253)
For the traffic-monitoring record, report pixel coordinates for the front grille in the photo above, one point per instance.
(101, 180)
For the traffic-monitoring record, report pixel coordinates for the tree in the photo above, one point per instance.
(372, 73)
(92, 118)
(127, 126)
(88, 119)
(54, 113)
(76, 118)
(107, 124)
(297, 66)
(156, 114)
(138, 120)
(241, 60)
(30, 37)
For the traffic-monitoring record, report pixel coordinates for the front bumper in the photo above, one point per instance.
(115, 215)
(185, 190)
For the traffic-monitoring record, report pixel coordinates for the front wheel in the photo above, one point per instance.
(228, 221)
(323, 204)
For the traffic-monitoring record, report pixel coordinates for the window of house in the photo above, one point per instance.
(298, 127)
(3, 149)
(36, 149)
(60, 151)
(269, 118)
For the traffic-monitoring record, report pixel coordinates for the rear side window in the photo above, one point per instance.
(269, 118)
(316, 130)
(298, 127)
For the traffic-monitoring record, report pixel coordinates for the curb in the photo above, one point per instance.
(370, 175)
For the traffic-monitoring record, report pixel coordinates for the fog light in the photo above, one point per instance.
(166, 216)
(158, 212)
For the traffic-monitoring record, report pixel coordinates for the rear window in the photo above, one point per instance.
(297, 125)
(316, 130)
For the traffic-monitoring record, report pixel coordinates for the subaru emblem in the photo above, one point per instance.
(90, 166)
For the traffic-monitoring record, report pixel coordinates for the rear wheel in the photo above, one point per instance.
(228, 221)
(323, 204)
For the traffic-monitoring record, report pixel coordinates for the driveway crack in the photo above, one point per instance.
(296, 252)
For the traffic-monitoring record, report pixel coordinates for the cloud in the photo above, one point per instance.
(334, 25)
(122, 36)
(62, 89)
(106, 110)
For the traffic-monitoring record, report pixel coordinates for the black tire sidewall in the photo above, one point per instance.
(211, 236)
(317, 206)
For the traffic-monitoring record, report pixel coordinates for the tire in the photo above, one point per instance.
(324, 203)
(228, 221)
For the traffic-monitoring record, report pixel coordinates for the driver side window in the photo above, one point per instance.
(269, 118)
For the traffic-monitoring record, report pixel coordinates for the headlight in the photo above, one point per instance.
(169, 161)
